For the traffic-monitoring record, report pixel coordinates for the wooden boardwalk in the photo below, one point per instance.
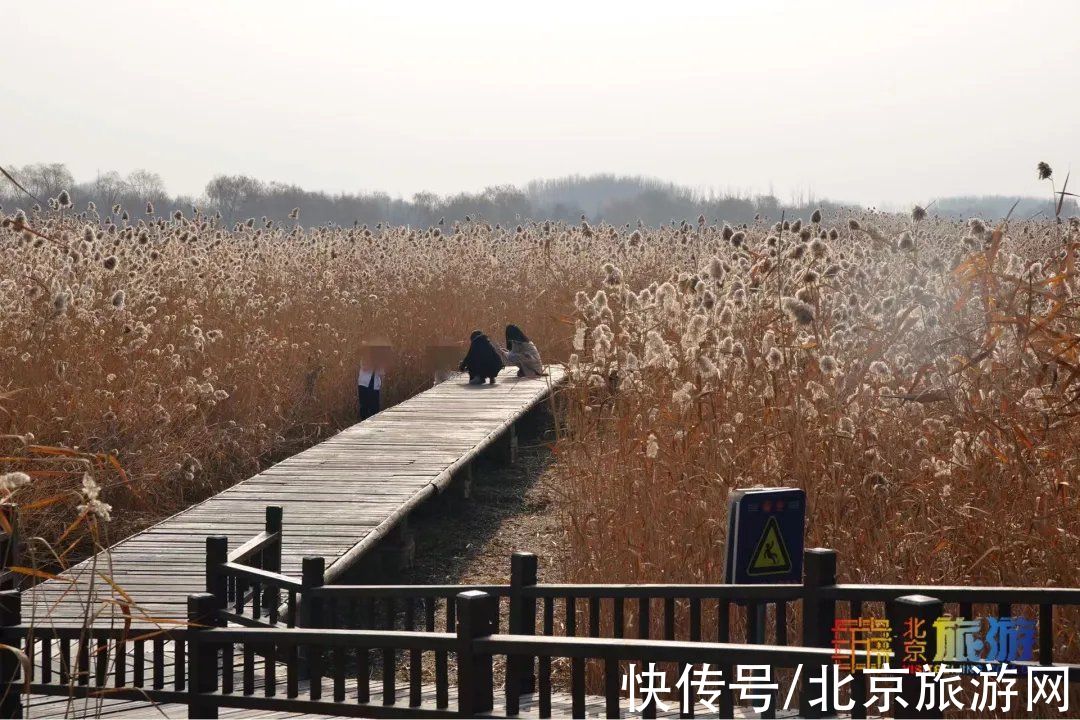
(340, 498)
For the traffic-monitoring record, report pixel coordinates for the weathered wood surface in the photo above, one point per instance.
(339, 497)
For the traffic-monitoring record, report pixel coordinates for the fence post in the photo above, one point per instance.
(523, 571)
(274, 524)
(202, 656)
(9, 544)
(477, 615)
(10, 689)
(918, 612)
(272, 555)
(819, 616)
(217, 582)
(313, 571)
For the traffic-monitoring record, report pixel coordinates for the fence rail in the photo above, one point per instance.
(208, 666)
(261, 639)
(665, 611)
(249, 580)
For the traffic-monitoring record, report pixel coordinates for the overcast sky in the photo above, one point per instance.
(862, 101)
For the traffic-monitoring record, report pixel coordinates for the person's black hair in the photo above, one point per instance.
(513, 332)
(475, 334)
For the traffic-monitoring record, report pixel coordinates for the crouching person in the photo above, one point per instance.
(483, 361)
(522, 352)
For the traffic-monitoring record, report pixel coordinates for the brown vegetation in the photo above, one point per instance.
(194, 354)
(918, 377)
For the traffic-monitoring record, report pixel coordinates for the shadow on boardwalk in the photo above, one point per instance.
(512, 508)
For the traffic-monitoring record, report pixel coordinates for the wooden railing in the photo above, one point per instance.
(781, 615)
(618, 611)
(208, 666)
(694, 613)
(247, 582)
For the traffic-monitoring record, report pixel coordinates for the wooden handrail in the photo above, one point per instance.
(653, 650)
(319, 637)
(256, 544)
(397, 591)
(664, 591)
(264, 577)
(955, 593)
(762, 593)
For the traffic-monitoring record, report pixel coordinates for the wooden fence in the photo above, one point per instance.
(208, 666)
(587, 609)
(261, 640)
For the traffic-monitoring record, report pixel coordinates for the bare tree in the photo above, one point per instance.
(45, 180)
(229, 193)
(145, 185)
(108, 188)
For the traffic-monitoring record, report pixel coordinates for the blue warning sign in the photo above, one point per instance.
(765, 536)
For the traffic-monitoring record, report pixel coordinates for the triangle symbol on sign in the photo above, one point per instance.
(770, 556)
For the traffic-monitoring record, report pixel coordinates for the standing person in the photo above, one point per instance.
(369, 383)
(522, 352)
(483, 361)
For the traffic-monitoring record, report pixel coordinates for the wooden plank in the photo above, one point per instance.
(339, 497)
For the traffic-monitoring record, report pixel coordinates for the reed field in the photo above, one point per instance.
(170, 356)
(918, 377)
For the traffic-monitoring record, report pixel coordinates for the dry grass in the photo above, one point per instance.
(918, 378)
(229, 348)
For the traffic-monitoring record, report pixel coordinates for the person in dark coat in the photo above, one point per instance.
(483, 361)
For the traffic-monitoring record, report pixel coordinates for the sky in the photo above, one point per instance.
(870, 102)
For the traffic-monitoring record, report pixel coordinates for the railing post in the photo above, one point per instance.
(819, 616)
(10, 689)
(217, 582)
(523, 572)
(918, 612)
(313, 573)
(477, 614)
(272, 554)
(274, 524)
(202, 656)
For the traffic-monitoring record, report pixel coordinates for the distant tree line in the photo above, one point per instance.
(614, 199)
(994, 207)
